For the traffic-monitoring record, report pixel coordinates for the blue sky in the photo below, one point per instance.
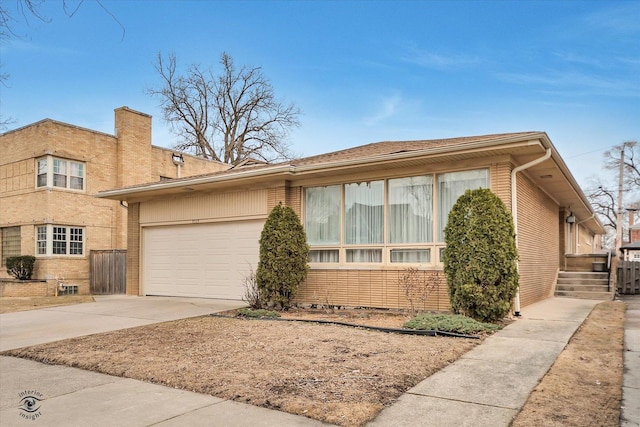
(360, 71)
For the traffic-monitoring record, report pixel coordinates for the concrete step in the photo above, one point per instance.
(567, 281)
(582, 275)
(581, 287)
(604, 296)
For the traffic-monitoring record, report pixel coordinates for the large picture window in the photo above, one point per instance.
(59, 240)
(60, 173)
(384, 221)
(453, 185)
(364, 213)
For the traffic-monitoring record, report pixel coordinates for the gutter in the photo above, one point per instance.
(290, 168)
(514, 212)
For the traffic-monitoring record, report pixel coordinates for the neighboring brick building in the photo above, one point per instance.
(49, 173)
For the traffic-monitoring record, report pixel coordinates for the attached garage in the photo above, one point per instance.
(200, 260)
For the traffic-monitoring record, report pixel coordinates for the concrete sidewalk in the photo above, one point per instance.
(488, 386)
(631, 382)
(73, 397)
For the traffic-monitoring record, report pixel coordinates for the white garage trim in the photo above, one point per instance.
(199, 260)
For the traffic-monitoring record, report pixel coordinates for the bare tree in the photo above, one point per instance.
(31, 9)
(603, 194)
(603, 200)
(631, 162)
(228, 117)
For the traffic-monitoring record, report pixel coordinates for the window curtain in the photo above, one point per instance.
(453, 185)
(410, 210)
(411, 255)
(364, 255)
(324, 255)
(364, 213)
(322, 215)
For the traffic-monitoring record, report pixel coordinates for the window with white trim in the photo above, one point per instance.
(59, 240)
(60, 173)
(391, 221)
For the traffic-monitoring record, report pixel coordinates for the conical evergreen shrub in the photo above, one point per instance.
(480, 259)
(284, 255)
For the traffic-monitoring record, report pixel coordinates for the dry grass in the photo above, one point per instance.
(337, 374)
(12, 304)
(584, 386)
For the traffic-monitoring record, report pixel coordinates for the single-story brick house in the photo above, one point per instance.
(369, 213)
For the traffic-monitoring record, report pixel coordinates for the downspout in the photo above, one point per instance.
(514, 212)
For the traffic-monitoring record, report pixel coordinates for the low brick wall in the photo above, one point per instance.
(36, 288)
(584, 262)
(26, 288)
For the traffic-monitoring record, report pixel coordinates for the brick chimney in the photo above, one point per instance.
(133, 131)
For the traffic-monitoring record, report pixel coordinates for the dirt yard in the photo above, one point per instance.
(339, 374)
(11, 304)
(584, 386)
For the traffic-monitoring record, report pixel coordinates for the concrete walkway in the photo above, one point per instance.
(631, 382)
(486, 387)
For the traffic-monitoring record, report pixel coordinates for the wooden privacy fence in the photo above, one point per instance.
(108, 272)
(628, 274)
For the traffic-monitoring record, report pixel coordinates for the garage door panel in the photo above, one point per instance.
(200, 260)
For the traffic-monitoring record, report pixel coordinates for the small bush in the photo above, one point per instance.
(417, 285)
(251, 290)
(284, 254)
(21, 267)
(480, 256)
(449, 323)
(259, 313)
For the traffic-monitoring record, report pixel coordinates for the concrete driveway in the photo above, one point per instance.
(107, 313)
(73, 397)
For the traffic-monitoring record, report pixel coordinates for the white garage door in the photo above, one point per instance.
(200, 260)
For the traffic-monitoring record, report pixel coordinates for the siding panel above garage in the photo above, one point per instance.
(227, 206)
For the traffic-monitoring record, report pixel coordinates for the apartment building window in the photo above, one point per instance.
(10, 243)
(60, 173)
(392, 221)
(59, 240)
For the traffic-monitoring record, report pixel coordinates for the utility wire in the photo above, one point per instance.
(590, 152)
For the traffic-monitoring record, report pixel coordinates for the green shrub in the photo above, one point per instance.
(449, 323)
(283, 257)
(257, 313)
(21, 267)
(480, 257)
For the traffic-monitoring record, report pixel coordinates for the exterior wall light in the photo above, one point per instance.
(571, 218)
(177, 159)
